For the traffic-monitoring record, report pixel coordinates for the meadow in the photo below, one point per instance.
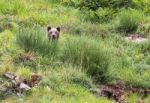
(91, 51)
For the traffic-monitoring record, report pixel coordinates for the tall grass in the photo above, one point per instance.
(129, 20)
(34, 39)
(12, 7)
(90, 55)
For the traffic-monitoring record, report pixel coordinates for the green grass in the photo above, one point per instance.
(86, 54)
(12, 7)
(34, 39)
(129, 20)
(89, 54)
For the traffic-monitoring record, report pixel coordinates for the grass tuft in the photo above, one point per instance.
(90, 55)
(129, 20)
(34, 39)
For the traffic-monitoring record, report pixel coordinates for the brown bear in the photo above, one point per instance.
(53, 33)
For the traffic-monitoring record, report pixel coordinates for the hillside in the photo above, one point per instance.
(102, 54)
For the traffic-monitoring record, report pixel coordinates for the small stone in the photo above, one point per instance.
(136, 39)
(2, 89)
(24, 86)
(9, 75)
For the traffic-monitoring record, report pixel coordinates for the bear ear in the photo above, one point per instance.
(48, 28)
(58, 28)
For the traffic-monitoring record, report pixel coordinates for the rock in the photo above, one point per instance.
(136, 38)
(2, 89)
(24, 86)
(17, 80)
(18, 85)
(10, 75)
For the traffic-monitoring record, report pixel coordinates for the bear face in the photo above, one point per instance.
(53, 33)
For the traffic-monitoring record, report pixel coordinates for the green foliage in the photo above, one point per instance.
(68, 75)
(133, 98)
(98, 11)
(143, 5)
(90, 29)
(5, 23)
(99, 16)
(34, 39)
(90, 55)
(12, 7)
(144, 28)
(73, 3)
(129, 20)
(96, 4)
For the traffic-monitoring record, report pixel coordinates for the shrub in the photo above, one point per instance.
(99, 16)
(98, 11)
(34, 39)
(90, 55)
(129, 20)
(96, 4)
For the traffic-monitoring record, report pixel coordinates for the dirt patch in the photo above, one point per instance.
(119, 92)
(135, 38)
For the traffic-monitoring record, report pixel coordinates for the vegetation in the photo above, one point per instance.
(90, 52)
(33, 39)
(130, 20)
